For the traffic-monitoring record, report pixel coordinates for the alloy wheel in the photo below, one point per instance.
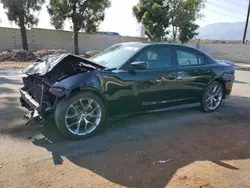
(83, 116)
(214, 97)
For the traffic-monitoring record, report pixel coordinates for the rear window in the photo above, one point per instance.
(185, 58)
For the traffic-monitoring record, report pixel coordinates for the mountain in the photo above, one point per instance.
(224, 31)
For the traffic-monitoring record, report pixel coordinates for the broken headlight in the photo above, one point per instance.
(58, 92)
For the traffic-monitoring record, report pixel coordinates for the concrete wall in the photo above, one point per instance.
(43, 38)
(9, 38)
(235, 52)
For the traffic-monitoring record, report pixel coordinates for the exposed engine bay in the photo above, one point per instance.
(40, 77)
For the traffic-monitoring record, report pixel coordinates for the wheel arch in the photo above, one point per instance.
(220, 80)
(90, 89)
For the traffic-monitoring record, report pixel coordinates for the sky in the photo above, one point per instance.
(119, 17)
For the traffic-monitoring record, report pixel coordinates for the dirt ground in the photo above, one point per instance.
(13, 65)
(177, 149)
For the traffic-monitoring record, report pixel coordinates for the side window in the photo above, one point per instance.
(157, 57)
(201, 60)
(189, 59)
(152, 56)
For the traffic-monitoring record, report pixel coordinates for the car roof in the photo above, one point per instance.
(144, 44)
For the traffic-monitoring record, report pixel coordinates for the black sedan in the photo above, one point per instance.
(124, 79)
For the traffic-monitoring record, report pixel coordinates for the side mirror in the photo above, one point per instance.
(139, 65)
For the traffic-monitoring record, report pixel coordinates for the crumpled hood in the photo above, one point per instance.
(44, 65)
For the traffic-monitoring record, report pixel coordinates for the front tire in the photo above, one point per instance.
(80, 116)
(212, 97)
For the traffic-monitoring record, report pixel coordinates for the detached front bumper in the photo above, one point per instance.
(27, 101)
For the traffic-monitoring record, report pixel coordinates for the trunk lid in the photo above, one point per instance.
(225, 62)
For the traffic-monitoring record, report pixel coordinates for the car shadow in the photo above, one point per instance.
(12, 121)
(6, 90)
(241, 82)
(5, 80)
(130, 151)
(242, 68)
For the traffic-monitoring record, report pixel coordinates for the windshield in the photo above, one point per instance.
(115, 56)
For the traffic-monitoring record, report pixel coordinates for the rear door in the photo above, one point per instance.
(192, 76)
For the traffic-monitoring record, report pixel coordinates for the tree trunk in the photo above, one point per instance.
(23, 32)
(174, 37)
(174, 32)
(76, 30)
(76, 46)
(149, 36)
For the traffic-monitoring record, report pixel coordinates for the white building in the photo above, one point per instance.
(140, 30)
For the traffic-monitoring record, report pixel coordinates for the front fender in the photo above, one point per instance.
(86, 79)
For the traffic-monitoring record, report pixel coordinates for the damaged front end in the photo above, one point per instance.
(53, 77)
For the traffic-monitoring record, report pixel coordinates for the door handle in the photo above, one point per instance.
(179, 78)
(166, 78)
(181, 75)
(171, 77)
(207, 72)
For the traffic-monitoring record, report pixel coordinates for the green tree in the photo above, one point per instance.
(85, 15)
(21, 12)
(188, 32)
(159, 16)
(154, 15)
(183, 14)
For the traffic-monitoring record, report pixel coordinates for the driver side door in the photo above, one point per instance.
(156, 83)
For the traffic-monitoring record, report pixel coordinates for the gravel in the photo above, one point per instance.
(17, 55)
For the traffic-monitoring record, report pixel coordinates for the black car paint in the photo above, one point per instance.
(127, 90)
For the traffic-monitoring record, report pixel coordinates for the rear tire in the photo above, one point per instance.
(212, 97)
(80, 116)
